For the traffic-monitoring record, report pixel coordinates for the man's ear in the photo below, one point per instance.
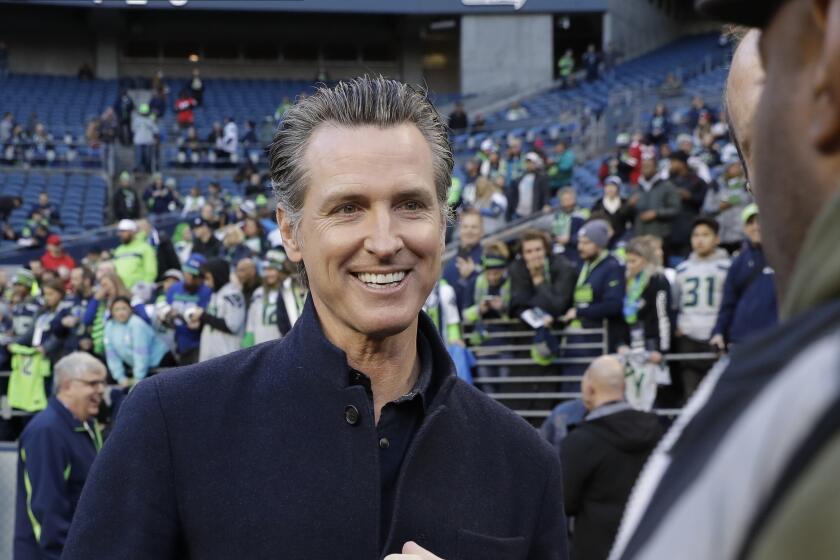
(825, 125)
(290, 244)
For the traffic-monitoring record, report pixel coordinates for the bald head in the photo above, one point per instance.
(743, 91)
(603, 382)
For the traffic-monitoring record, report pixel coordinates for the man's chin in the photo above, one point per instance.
(384, 327)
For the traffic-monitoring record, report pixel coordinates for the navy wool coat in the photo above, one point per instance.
(251, 455)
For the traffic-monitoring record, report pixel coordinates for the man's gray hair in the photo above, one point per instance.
(363, 101)
(74, 366)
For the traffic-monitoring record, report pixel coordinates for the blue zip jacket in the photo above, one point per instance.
(462, 286)
(747, 306)
(179, 298)
(55, 455)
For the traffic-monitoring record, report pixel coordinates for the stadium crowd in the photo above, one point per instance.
(670, 262)
(667, 260)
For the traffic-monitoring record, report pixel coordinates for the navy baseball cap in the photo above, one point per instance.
(754, 13)
(194, 264)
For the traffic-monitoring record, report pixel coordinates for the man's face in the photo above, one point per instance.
(208, 213)
(83, 395)
(202, 232)
(533, 251)
(471, 230)
(21, 292)
(125, 236)
(77, 280)
(649, 168)
(743, 91)
(271, 276)
(54, 250)
(495, 275)
(192, 281)
(587, 249)
(800, 55)
(52, 297)
(371, 233)
(587, 392)
(246, 271)
(752, 230)
(677, 168)
(568, 201)
(43, 199)
(704, 240)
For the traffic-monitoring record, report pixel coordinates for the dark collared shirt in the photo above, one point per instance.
(398, 423)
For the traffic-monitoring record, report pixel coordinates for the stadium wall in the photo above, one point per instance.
(639, 26)
(504, 52)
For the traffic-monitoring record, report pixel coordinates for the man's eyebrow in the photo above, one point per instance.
(357, 193)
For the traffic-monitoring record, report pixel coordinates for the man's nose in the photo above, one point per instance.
(382, 238)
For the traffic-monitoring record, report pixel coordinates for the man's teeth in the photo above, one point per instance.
(369, 278)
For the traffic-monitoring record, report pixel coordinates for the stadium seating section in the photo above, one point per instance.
(65, 104)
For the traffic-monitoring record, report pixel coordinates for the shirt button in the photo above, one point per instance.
(351, 414)
(384, 443)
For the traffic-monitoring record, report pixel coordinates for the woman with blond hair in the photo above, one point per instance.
(647, 332)
(233, 245)
(107, 290)
(492, 204)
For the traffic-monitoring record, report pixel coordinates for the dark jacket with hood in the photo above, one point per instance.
(601, 460)
(554, 295)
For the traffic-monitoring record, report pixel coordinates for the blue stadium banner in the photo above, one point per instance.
(345, 6)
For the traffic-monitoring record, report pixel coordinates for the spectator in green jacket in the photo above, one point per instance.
(560, 168)
(135, 260)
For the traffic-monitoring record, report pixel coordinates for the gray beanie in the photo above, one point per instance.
(597, 231)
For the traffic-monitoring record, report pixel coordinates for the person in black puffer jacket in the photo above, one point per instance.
(602, 458)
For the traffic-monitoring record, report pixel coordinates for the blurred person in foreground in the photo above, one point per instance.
(56, 451)
(362, 380)
(738, 475)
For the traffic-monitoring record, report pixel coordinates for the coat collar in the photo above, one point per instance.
(62, 411)
(308, 340)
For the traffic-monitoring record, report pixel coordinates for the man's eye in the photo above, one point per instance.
(413, 206)
(347, 209)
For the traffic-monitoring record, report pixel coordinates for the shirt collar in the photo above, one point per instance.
(65, 413)
(308, 337)
(424, 379)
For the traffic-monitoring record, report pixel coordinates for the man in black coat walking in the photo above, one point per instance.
(602, 458)
(349, 438)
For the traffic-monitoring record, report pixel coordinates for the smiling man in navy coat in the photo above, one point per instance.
(350, 438)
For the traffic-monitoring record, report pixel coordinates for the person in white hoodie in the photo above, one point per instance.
(223, 322)
(267, 315)
(230, 138)
(697, 295)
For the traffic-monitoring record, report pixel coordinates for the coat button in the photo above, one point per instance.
(384, 443)
(351, 414)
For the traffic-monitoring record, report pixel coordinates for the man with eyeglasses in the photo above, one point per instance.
(57, 449)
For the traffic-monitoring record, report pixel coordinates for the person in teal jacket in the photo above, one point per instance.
(129, 340)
